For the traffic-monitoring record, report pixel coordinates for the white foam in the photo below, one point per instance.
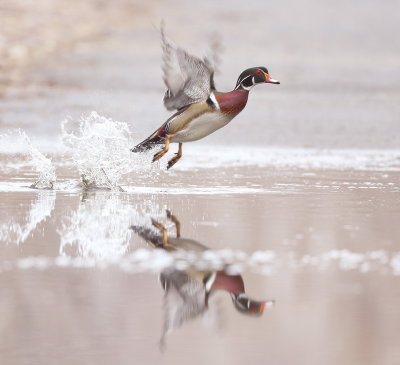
(261, 262)
(307, 158)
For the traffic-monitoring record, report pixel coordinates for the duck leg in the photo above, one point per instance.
(163, 231)
(160, 154)
(176, 222)
(176, 158)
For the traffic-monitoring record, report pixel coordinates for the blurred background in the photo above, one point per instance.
(338, 63)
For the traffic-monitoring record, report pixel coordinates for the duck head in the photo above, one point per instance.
(248, 306)
(253, 76)
(235, 286)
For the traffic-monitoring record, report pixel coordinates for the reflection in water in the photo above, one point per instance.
(95, 233)
(97, 229)
(17, 229)
(187, 291)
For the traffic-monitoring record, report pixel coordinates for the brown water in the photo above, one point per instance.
(306, 209)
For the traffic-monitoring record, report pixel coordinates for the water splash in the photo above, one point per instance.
(41, 164)
(96, 146)
(234, 262)
(100, 150)
(99, 147)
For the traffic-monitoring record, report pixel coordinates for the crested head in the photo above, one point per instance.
(253, 76)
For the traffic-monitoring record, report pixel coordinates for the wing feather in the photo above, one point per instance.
(188, 78)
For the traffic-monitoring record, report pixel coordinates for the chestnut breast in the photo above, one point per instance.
(233, 102)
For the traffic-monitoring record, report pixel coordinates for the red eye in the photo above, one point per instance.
(258, 72)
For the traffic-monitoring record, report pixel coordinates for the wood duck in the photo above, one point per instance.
(187, 292)
(201, 109)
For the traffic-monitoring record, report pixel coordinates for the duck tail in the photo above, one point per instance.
(155, 240)
(148, 143)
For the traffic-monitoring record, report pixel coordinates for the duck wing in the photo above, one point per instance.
(184, 299)
(188, 78)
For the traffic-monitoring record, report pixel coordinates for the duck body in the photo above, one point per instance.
(198, 120)
(202, 119)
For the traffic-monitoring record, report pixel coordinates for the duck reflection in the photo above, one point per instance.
(187, 291)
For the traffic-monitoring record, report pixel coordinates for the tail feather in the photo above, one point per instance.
(148, 235)
(148, 144)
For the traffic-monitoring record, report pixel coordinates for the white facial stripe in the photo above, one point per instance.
(244, 87)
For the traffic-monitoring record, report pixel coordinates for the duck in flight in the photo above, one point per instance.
(201, 109)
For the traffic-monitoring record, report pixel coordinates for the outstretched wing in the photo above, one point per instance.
(212, 58)
(189, 79)
(184, 299)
